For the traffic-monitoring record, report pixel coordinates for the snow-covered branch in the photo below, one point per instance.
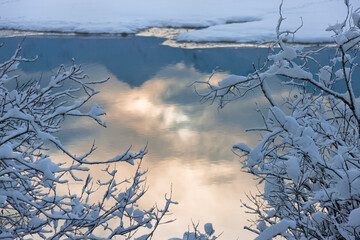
(309, 159)
(30, 202)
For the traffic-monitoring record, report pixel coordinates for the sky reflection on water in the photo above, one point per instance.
(149, 101)
(189, 145)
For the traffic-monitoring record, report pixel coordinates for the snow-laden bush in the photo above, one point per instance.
(31, 202)
(197, 234)
(309, 157)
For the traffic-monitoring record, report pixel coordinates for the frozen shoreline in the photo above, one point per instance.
(168, 34)
(232, 21)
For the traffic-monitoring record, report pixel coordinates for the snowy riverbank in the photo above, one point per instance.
(242, 21)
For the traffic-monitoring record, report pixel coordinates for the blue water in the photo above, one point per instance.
(136, 59)
(150, 101)
(133, 59)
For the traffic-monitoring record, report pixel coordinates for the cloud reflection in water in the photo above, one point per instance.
(149, 101)
(189, 145)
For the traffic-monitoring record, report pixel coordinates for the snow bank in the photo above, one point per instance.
(220, 20)
(354, 218)
(276, 229)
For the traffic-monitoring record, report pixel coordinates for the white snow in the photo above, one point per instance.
(276, 229)
(293, 168)
(354, 218)
(208, 227)
(2, 199)
(220, 20)
(231, 80)
(319, 217)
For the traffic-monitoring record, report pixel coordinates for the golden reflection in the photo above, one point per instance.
(189, 146)
(206, 192)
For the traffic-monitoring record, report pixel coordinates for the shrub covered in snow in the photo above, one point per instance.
(31, 204)
(309, 157)
(197, 234)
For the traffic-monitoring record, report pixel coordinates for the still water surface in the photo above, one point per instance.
(149, 100)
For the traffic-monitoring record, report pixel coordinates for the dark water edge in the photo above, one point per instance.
(136, 59)
(143, 56)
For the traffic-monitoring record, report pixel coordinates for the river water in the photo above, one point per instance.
(150, 100)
